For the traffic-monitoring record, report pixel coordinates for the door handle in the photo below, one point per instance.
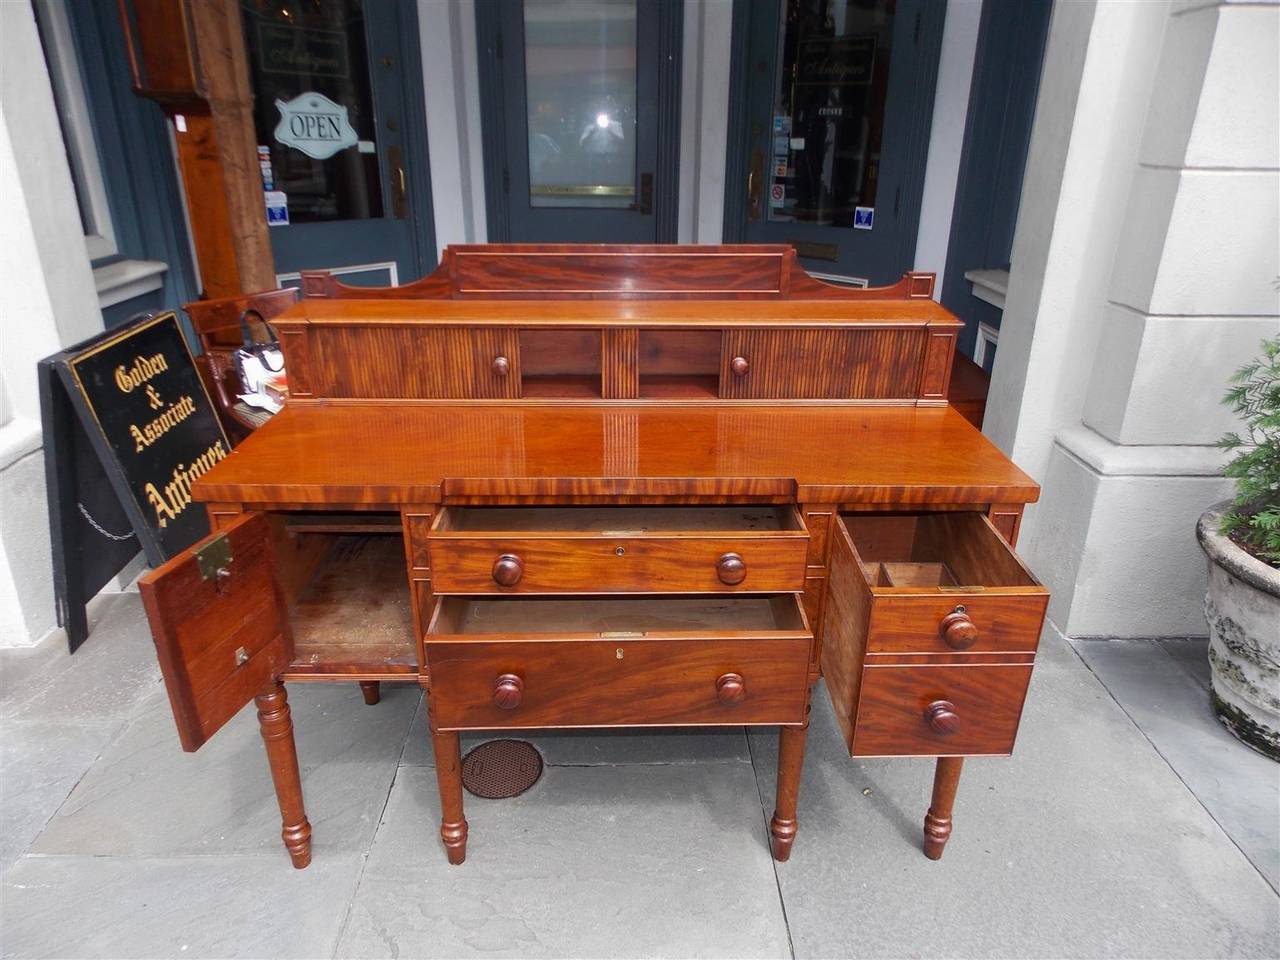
(755, 182)
(399, 192)
(645, 205)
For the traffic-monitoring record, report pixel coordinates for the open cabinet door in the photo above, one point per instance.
(220, 625)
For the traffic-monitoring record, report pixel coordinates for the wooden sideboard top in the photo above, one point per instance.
(384, 455)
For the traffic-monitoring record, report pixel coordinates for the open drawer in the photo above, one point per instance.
(618, 549)
(931, 628)
(604, 661)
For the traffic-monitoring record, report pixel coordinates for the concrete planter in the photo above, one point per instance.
(1242, 606)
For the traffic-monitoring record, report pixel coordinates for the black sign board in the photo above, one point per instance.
(128, 427)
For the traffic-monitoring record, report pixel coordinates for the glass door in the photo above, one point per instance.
(341, 146)
(839, 97)
(580, 117)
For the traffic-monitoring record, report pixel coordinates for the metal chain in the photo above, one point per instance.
(97, 526)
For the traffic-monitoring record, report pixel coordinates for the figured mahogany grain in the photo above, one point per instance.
(929, 567)
(619, 680)
(618, 549)
(822, 364)
(384, 455)
(892, 702)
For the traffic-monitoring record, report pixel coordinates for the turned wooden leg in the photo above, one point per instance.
(453, 826)
(372, 690)
(782, 826)
(282, 755)
(937, 822)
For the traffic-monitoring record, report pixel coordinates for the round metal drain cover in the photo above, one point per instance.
(501, 768)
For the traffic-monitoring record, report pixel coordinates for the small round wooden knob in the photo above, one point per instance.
(731, 569)
(739, 366)
(957, 631)
(731, 689)
(501, 366)
(942, 717)
(508, 691)
(507, 570)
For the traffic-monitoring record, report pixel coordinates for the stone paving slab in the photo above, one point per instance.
(581, 748)
(1083, 844)
(146, 797)
(113, 907)
(40, 763)
(113, 676)
(601, 861)
(1162, 695)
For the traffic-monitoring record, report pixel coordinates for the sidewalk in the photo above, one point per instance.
(113, 842)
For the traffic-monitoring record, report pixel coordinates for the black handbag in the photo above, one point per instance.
(266, 353)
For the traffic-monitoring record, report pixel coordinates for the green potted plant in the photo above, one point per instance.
(1241, 538)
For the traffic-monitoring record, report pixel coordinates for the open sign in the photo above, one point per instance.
(314, 124)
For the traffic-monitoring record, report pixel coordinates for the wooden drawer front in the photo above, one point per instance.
(983, 703)
(617, 565)
(631, 550)
(617, 681)
(940, 583)
(821, 364)
(1003, 624)
(415, 363)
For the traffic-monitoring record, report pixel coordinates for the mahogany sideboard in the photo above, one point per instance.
(579, 487)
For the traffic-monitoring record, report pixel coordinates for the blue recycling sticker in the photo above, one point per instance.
(863, 217)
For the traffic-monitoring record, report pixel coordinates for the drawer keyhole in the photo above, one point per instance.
(619, 551)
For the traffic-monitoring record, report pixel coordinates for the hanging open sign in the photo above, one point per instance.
(314, 124)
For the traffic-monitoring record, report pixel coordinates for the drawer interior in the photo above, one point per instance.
(616, 520)
(343, 577)
(934, 551)
(556, 616)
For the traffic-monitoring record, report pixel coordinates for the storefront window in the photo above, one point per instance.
(313, 107)
(580, 87)
(828, 121)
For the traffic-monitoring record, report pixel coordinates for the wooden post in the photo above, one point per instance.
(190, 57)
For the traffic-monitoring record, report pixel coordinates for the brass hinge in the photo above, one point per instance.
(214, 557)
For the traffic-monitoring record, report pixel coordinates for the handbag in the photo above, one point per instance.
(257, 360)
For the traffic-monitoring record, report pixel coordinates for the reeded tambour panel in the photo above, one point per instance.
(414, 363)
(620, 364)
(777, 364)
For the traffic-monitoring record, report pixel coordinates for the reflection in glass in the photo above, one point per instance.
(580, 87)
(828, 120)
(314, 46)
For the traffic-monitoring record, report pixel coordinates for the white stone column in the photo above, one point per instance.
(49, 301)
(1136, 365)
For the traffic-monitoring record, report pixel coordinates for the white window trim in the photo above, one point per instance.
(859, 283)
(387, 265)
(990, 286)
(64, 71)
(125, 279)
(988, 336)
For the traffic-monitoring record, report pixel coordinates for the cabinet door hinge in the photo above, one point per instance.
(506, 181)
(497, 45)
(915, 34)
